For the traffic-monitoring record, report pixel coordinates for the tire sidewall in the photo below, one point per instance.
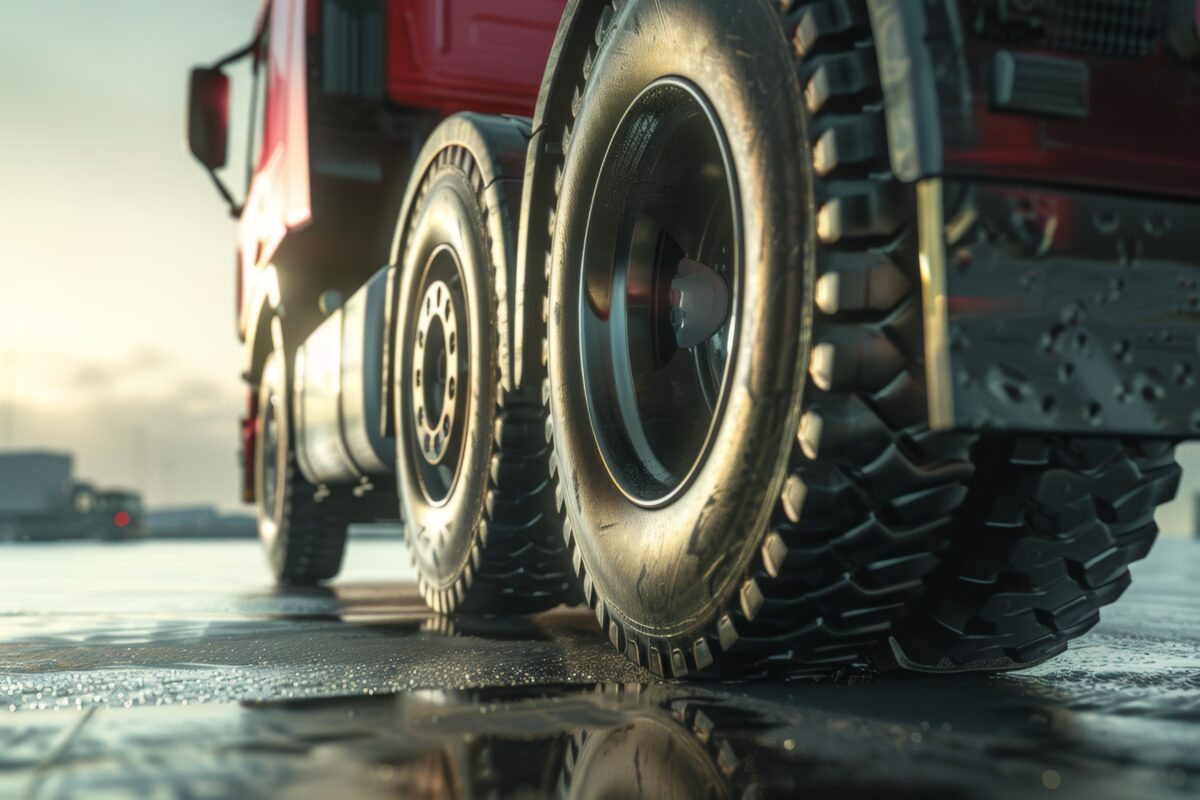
(667, 570)
(273, 399)
(442, 535)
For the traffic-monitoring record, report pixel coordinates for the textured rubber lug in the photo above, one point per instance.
(870, 492)
(516, 562)
(314, 538)
(1047, 535)
(522, 565)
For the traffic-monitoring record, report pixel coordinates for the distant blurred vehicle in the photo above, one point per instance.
(41, 501)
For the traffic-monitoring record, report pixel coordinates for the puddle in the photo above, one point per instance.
(603, 740)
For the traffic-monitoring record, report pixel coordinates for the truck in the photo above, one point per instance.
(787, 335)
(40, 500)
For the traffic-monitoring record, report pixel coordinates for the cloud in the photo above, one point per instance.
(92, 376)
(145, 420)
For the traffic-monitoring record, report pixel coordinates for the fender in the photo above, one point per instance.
(264, 305)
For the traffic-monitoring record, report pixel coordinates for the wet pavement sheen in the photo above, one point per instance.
(173, 669)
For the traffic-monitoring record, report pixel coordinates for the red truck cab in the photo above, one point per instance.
(333, 75)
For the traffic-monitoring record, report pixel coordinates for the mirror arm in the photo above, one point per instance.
(238, 55)
(235, 210)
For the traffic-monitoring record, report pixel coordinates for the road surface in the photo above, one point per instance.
(173, 669)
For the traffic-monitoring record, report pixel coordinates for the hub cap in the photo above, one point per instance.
(439, 377)
(659, 291)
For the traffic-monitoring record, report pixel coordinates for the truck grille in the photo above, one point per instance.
(1112, 28)
(1121, 28)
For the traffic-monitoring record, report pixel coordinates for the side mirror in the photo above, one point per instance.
(208, 117)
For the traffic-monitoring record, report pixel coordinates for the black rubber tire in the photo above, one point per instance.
(304, 532)
(1045, 539)
(824, 538)
(492, 544)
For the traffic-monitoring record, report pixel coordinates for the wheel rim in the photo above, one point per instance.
(438, 380)
(660, 290)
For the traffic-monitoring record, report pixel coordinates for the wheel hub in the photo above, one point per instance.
(699, 303)
(436, 378)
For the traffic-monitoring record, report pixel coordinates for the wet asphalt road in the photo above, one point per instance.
(172, 669)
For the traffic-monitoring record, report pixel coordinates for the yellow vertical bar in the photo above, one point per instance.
(932, 243)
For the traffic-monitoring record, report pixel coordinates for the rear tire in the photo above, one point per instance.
(471, 459)
(1045, 539)
(303, 531)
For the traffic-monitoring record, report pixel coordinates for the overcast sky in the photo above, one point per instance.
(117, 338)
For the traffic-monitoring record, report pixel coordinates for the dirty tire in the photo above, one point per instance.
(302, 531)
(479, 522)
(800, 539)
(1045, 539)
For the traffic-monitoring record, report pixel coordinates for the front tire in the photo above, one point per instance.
(302, 530)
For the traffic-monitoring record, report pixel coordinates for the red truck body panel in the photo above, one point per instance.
(442, 55)
(469, 55)
(1139, 135)
(279, 198)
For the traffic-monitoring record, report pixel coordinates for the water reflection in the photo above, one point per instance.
(908, 739)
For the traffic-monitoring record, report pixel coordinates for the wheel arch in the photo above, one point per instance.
(265, 306)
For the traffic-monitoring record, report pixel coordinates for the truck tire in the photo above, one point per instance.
(1046, 538)
(302, 529)
(471, 461)
(798, 526)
